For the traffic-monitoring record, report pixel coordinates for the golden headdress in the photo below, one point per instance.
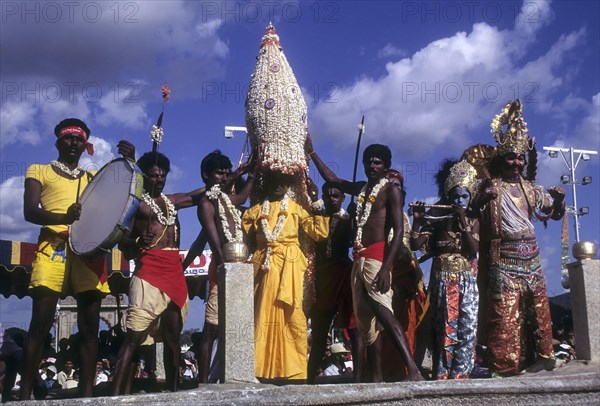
(462, 174)
(515, 139)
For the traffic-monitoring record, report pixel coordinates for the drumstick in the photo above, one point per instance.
(78, 189)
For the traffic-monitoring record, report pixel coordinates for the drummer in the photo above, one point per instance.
(158, 295)
(50, 200)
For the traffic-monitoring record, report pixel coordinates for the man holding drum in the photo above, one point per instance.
(51, 200)
(157, 291)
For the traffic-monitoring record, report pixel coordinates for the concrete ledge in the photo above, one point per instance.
(576, 383)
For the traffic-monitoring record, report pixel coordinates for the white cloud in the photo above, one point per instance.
(17, 124)
(12, 226)
(585, 136)
(125, 112)
(102, 60)
(449, 90)
(390, 50)
(103, 153)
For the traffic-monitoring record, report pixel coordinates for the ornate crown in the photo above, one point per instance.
(515, 139)
(462, 174)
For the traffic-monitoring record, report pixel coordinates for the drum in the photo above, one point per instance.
(108, 207)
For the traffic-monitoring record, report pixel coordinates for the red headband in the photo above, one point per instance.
(74, 130)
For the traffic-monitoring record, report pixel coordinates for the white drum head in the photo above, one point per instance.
(105, 202)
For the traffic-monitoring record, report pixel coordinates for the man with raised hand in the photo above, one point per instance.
(379, 209)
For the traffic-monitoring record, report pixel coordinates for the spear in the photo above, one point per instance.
(156, 134)
(361, 129)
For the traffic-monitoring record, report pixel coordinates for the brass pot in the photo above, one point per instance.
(584, 250)
(235, 252)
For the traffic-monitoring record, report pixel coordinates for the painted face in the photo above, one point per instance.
(459, 196)
(333, 199)
(155, 180)
(70, 147)
(513, 165)
(217, 177)
(374, 168)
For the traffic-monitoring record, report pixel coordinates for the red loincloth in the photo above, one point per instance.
(162, 269)
(374, 251)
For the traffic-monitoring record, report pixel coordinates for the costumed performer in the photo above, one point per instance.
(51, 200)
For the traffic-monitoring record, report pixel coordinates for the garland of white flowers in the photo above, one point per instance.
(335, 218)
(223, 202)
(74, 173)
(156, 134)
(272, 236)
(160, 216)
(363, 209)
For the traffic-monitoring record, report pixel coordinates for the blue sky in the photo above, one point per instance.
(428, 75)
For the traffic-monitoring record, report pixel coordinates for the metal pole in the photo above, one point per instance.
(574, 186)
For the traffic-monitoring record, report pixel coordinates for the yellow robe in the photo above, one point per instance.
(279, 323)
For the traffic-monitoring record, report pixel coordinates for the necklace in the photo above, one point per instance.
(74, 173)
(272, 236)
(335, 218)
(160, 216)
(223, 202)
(363, 209)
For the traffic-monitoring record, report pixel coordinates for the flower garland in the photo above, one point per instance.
(156, 134)
(160, 216)
(276, 112)
(223, 202)
(272, 236)
(363, 210)
(74, 173)
(335, 218)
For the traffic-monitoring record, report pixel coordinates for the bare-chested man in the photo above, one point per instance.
(221, 222)
(379, 208)
(158, 291)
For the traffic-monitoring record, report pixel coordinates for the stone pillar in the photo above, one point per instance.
(584, 277)
(236, 322)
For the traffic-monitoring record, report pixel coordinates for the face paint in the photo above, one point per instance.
(459, 196)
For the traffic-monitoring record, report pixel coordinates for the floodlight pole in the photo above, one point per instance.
(228, 132)
(572, 165)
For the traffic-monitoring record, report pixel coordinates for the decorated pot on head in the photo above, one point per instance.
(276, 113)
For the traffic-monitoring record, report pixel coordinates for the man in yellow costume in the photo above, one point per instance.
(50, 200)
(279, 265)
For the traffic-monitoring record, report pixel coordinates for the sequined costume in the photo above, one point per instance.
(454, 299)
(519, 322)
